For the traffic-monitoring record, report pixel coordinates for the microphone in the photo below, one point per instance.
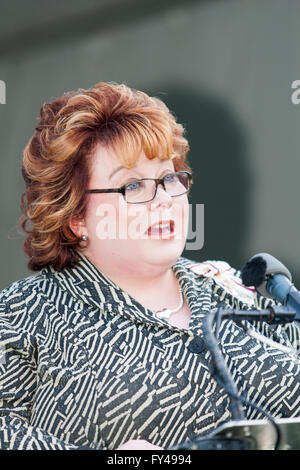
(272, 280)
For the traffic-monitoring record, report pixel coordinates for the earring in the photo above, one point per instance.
(84, 238)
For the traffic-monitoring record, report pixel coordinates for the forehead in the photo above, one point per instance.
(106, 165)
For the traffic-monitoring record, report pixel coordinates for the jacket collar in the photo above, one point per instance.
(88, 284)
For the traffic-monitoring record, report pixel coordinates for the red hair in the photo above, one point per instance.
(56, 160)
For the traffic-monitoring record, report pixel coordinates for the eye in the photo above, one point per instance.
(170, 177)
(134, 186)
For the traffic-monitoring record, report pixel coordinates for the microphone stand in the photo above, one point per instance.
(273, 314)
(221, 369)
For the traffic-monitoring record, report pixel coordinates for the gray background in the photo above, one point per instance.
(224, 67)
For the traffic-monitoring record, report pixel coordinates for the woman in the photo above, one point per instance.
(104, 346)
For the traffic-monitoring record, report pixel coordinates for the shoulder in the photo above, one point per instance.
(21, 288)
(22, 301)
(225, 278)
(208, 268)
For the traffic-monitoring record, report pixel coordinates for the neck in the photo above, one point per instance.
(154, 287)
(153, 292)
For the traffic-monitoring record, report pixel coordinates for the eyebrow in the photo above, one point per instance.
(115, 171)
(121, 168)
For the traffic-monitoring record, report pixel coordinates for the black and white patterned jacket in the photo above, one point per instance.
(84, 365)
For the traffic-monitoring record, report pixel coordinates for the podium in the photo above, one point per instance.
(250, 435)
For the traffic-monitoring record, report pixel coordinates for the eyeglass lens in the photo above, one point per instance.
(144, 190)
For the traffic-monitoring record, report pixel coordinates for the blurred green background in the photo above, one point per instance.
(225, 68)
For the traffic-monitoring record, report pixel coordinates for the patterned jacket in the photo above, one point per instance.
(84, 365)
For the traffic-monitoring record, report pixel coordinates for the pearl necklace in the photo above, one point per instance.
(166, 312)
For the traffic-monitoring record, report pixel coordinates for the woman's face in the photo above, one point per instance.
(118, 232)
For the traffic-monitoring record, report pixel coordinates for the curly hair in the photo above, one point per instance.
(57, 160)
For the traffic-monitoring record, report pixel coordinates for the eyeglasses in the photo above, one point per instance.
(144, 190)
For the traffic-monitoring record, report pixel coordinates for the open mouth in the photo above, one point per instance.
(161, 229)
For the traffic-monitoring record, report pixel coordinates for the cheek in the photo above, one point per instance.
(118, 221)
(181, 214)
(90, 215)
(100, 219)
(137, 220)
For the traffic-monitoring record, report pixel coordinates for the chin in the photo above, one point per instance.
(164, 253)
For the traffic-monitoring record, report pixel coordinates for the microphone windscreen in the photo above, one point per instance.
(254, 271)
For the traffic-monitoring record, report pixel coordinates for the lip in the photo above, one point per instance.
(161, 234)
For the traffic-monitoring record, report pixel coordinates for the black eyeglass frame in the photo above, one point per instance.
(158, 181)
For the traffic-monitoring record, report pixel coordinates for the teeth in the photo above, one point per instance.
(160, 226)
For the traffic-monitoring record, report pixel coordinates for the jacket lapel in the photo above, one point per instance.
(88, 284)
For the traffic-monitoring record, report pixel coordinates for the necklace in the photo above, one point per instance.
(166, 312)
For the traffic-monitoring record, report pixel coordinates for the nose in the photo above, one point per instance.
(162, 197)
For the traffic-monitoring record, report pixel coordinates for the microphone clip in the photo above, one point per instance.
(274, 314)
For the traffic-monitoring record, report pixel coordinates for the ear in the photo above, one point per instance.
(77, 225)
